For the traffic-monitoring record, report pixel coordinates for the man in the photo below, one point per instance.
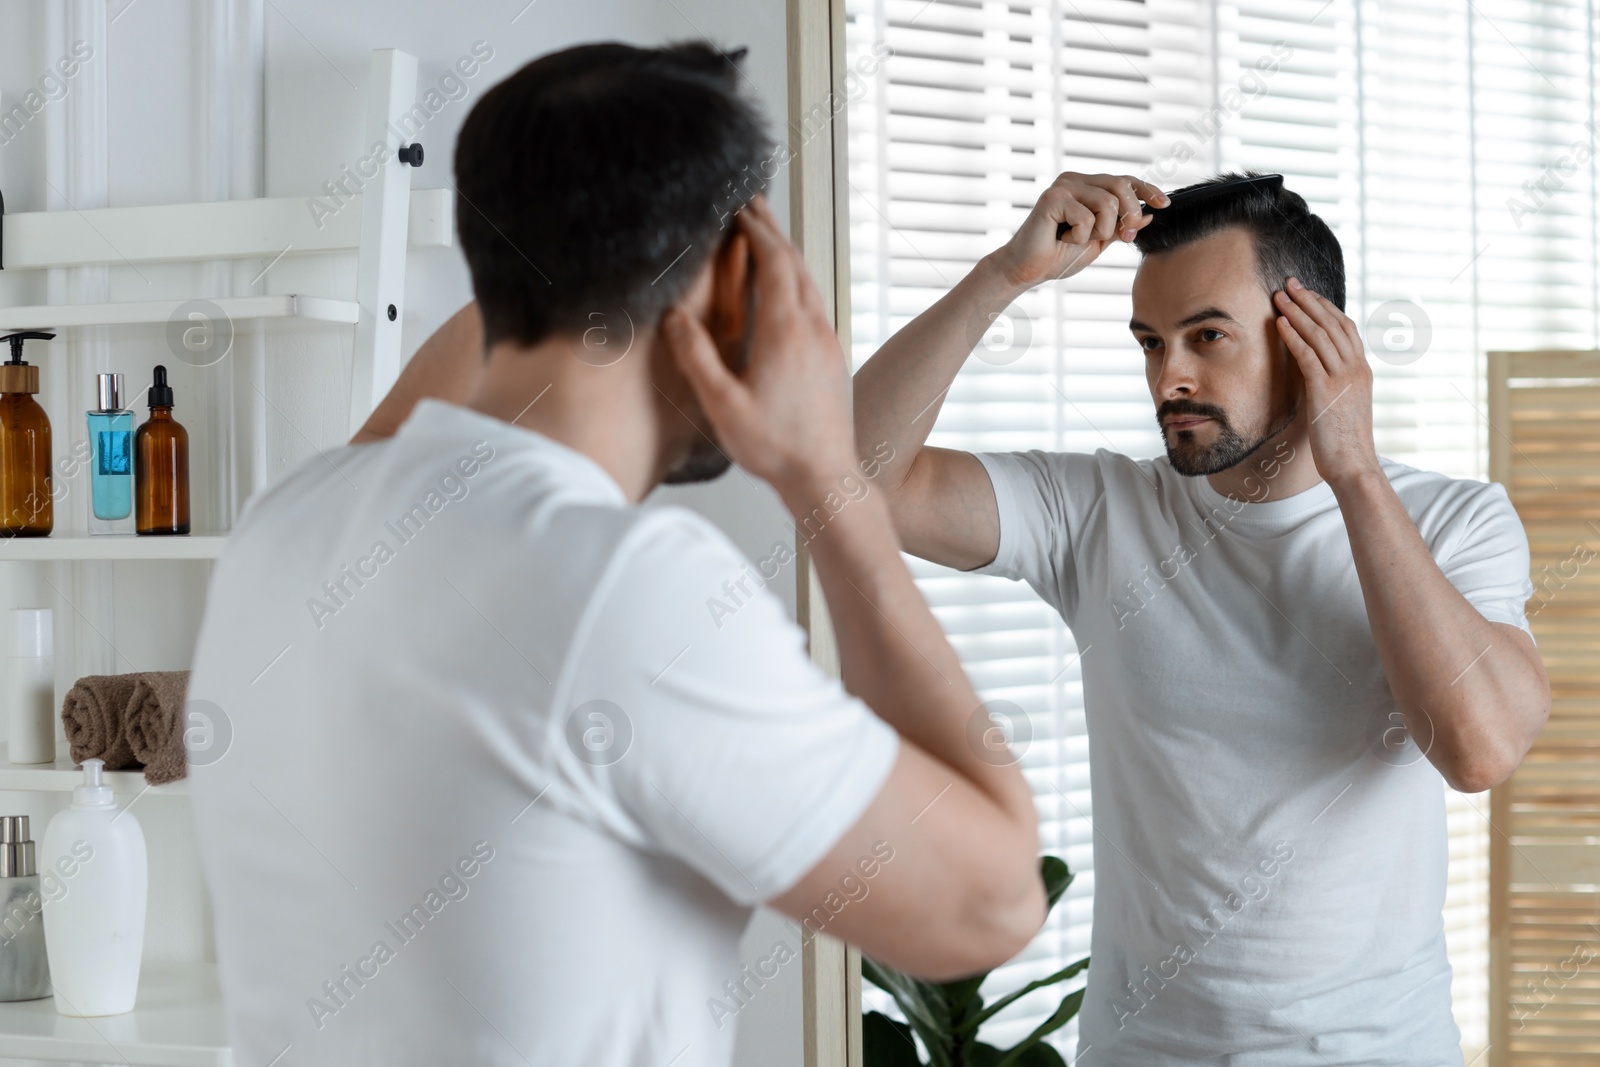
(1286, 639)
(502, 789)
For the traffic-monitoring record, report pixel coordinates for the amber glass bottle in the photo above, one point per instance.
(161, 466)
(25, 505)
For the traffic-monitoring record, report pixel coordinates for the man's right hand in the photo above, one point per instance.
(1100, 208)
(785, 417)
(943, 503)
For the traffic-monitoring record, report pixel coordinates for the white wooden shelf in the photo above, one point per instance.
(177, 1021)
(63, 776)
(112, 546)
(236, 308)
(218, 229)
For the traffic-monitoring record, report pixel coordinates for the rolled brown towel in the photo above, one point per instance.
(154, 724)
(94, 713)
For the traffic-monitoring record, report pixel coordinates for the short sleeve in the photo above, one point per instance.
(723, 744)
(1489, 564)
(1042, 498)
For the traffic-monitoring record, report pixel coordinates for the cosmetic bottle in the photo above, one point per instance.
(94, 932)
(25, 504)
(111, 451)
(31, 688)
(24, 961)
(161, 466)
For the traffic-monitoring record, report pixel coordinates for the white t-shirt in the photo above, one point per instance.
(503, 783)
(1269, 845)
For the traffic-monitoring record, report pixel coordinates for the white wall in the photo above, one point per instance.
(219, 98)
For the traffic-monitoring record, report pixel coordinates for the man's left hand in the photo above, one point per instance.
(1338, 381)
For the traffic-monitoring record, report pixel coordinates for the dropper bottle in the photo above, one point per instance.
(161, 466)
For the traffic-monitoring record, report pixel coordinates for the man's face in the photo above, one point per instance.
(1222, 381)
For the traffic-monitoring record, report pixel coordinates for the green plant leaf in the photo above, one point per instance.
(886, 1042)
(961, 998)
(923, 1005)
(981, 1055)
(1062, 975)
(1056, 877)
(1041, 1055)
(1069, 1007)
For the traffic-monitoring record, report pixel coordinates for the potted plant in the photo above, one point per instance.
(947, 1015)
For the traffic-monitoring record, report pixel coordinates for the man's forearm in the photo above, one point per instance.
(1473, 698)
(446, 367)
(893, 653)
(899, 391)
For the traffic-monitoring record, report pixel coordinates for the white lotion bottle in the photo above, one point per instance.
(94, 933)
(31, 688)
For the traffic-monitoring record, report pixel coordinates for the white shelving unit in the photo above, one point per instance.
(179, 1019)
(111, 547)
(176, 1022)
(237, 308)
(63, 775)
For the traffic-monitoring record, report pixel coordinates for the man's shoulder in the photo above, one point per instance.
(672, 578)
(1451, 511)
(1422, 489)
(1103, 467)
(303, 486)
(669, 549)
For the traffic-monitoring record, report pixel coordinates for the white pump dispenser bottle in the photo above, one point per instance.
(94, 931)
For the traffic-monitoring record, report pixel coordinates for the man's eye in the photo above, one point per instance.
(1149, 344)
(1208, 335)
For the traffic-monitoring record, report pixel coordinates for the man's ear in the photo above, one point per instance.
(730, 286)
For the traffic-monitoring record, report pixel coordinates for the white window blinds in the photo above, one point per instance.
(1451, 152)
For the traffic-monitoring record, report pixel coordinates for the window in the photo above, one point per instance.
(1451, 152)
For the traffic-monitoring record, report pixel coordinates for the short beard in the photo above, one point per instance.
(1229, 450)
(704, 462)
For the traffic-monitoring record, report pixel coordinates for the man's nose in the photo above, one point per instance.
(1177, 376)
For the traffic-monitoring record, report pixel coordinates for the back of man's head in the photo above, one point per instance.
(601, 177)
(1289, 239)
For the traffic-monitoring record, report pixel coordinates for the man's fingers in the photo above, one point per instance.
(1107, 210)
(1305, 356)
(774, 266)
(1345, 323)
(1062, 207)
(1111, 201)
(1128, 209)
(1150, 194)
(759, 225)
(721, 393)
(1324, 315)
(1136, 223)
(798, 274)
(1129, 191)
(811, 295)
(1308, 329)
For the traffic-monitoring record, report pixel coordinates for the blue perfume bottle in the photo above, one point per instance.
(111, 456)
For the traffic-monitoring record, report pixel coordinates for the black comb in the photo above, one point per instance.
(1201, 193)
